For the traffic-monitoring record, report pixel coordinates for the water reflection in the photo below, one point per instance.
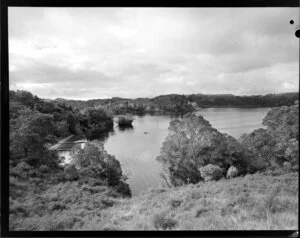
(98, 134)
(125, 127)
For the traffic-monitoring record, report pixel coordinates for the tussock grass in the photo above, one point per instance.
(252, 202)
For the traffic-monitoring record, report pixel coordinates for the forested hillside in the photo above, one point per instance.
(175, 103)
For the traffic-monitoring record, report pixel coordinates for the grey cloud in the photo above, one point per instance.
(144, 52)
(44, 73)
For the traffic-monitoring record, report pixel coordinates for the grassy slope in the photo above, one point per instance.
(254, 202)
(64, 206)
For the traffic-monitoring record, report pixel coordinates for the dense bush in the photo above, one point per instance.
(31, 133)
(228, 100)
(232, 172)
(24, 97)
(62, 129)
(98, 119)
(163, 221)
(211, 172)
(192, 143)
(47, 107)
(96, 115)
(279, 142)
(93, 161)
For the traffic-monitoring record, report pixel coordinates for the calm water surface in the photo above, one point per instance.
(136, 148)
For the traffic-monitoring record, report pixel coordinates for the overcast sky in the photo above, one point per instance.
(85, 53)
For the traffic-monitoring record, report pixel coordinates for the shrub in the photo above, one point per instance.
(287, 166)
(269, 199)
(98, 116)
(62, 128)
(162, 221)
(175, 203)
(56, 206)
(94, 163)
(200, 211)
(295, 168)
(232, 172)
(22, 170)
(71, 173)
(44, 169)
(123, 188)
(107, 202)
(211, 172)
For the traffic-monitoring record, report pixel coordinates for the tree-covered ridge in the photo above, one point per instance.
(171, 103)
(228, 100)
(175, 103)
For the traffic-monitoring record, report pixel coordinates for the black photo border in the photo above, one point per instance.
(4, 130)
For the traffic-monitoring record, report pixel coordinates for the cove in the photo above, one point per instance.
(138, 146)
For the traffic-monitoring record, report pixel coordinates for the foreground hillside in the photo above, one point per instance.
(253, 202)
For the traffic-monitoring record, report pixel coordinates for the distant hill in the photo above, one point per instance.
(202, 100)
(169, 103)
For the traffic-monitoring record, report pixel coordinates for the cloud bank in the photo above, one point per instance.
(85, 53)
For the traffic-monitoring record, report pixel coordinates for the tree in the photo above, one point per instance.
(24, 97)
(279, 142)
(211, 172)
(93, 161)
(30, 134)
(283, 122)
(182, 106)
(283, 126)
(47, 107)
(99, 118)
(193, 143)
(72, 121)
(261, 144)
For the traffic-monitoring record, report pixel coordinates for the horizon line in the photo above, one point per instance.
(206, 94)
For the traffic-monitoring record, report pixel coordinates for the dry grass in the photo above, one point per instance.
(253, 202)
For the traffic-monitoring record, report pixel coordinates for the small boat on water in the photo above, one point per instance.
(124, 120)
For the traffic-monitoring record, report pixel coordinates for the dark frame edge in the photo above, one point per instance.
(206, 3)
(4, 119)
(4, 132)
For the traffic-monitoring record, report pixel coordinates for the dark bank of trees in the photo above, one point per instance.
(66, 119)
(228, 100)
(193, 144)
(181, 104)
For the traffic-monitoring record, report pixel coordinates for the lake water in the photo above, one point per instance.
(137, 147)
